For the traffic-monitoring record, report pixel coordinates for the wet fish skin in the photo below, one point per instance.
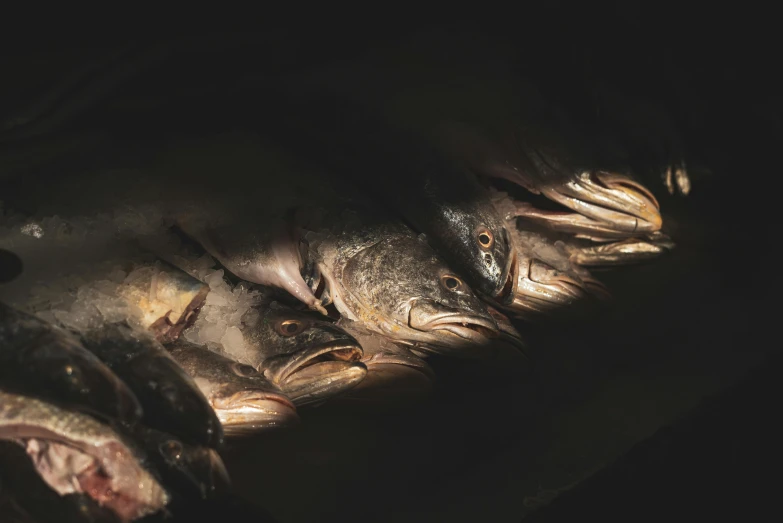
(380, 274)
(42, 360)
(436, 195)
(266, 255)
(73, 452)
(172, 402)
(244, 399)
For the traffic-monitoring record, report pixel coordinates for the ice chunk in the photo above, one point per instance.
(233, 342)
(33, 229)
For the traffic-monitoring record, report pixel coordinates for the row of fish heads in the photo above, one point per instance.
(58, 384)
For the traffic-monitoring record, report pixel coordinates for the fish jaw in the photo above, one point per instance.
(623, 252)
(606, 205)
(317, 372)
(454, 332)
(248, 412)
(320, 381)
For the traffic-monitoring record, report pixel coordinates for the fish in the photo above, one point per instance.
(305, 354)
(171, 400)
(594, 201)
(433, 193)
(484, 117)
(618, 252)
(50, 363)
(266, 255)
(376, 271)
(245, 401)
(394, 373)
(169, 299)
(75, 453)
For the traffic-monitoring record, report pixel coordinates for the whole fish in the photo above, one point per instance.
(394, 373)
(306, 355)
(172, 402)
(377, 272)
(74, 453)
(42, 360)
(244, 400)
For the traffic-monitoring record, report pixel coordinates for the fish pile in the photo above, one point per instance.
(325, 253)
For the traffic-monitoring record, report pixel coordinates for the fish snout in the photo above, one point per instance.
(249, 411)
(612, 198)
(455, 330)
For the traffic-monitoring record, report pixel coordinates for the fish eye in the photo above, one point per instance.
(244, 371)
(171, 449)
(485, 238)
(452, 283)
(289, 327)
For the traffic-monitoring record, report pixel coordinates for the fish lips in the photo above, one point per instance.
(317, 372)
(250, 411)
(455, 332)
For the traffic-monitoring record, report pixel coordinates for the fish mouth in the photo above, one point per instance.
(317, 373)
(534, 286)
(252, 411)
(322, 380)
(605, 205)
(283, 368)
(455, 330)
(624, 252)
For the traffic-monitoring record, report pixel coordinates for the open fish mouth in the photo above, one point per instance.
(281, 369)
(624, 252)
(322, 380)
(318, 372)
(248, 412)
(534, 286)
(455, 329)
(604, 205)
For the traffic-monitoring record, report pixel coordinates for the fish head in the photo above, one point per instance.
(408, 293)
(307, 355)
(249, 402)
(609, 199)
(244, 401)
(543, 279)
(477, 242)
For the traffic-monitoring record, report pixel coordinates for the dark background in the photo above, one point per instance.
(674, 389)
